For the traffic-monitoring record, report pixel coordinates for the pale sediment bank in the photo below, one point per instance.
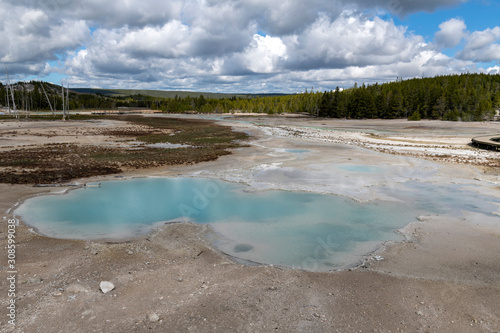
(443, 278)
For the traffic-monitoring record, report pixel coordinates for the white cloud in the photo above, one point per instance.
(225, 44)
(29, 38)
(482, 46)
(328, 52)
(31, 48)
(278, 17)
(481, 39)
(493, 70)
(113, 14)
(451, 33)
(352, 41)
(405, 7)
(168, 41)
(263, 55)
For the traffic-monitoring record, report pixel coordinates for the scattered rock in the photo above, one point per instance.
(106, 286)
(153, 317)
(76, 288)
(243, 248)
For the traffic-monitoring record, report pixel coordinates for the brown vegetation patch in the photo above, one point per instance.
(58, 163)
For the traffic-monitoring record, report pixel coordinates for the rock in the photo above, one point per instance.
(130, 252)
(76, 288)
(153, 317)
(106, 286)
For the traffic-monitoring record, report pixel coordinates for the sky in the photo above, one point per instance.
(245, 46)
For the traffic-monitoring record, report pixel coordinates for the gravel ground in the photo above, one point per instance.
(444, 278)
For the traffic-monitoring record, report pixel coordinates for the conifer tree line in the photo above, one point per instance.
(466, 97)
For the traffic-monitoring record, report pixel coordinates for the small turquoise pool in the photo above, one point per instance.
(360, 168)
(297, 151)
(294, 229)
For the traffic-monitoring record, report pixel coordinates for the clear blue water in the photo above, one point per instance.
(297, 151)
(294, 229)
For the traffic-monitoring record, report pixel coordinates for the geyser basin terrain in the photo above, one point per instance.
(295, 229)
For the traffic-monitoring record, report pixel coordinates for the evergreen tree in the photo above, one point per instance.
(325, 105)
(395, 106)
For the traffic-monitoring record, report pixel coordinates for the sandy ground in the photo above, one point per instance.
(31, 134)
(444, 278)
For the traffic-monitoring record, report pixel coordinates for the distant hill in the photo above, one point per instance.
(164, 93)
(38, 95)
(465, 97)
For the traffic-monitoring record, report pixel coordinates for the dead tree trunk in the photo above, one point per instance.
(63, 104)
(9, 86)
(13, 99)
(7, 90)
(67, 99)
(48, 100)
(8, 101)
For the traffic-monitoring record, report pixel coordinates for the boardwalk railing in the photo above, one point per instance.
(490, 142)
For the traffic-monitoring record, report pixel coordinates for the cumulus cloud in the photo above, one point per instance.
(326, 43)
(493, 70)
(265, 54)
(278, 17)
(405, 7)
(350, 46)
(108, 14)
(352, 41)
(482, 46)
(29, 38)
(451, 33)
(250, 45)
